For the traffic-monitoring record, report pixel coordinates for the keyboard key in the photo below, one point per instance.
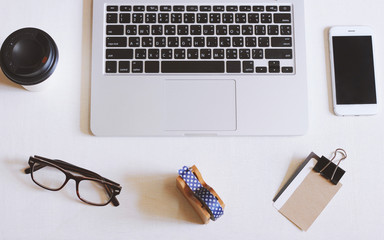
(173, 41)
(281, 42)
(157, 30)
(208, 29)
(231, 53)
(189, 18)
(227, 17)
(282, 18)
(124, 66)
(176, 18)
(245, 8)
(134, 42)
(218, 8)
(271, 8)
(205, 8)
(225, 41)
(112, 8)
(116, 42)
(192, 66)
(263, 41)
(237, 42)
(234, 30)
(140, 53)
(152, 8)
(125, 8)
(147, 41)
(266, 18)
(192, 8)
(284, 8)
(248, 67)
(205, 54)
(119, 54)
(179, 53)
(160, 41)
(111, 17)
(192, 53)
(185, 41)
(285, 30)
(138, 8)
(240, 18)
(152, 67)
(150, 18)
(260, 30)
(163, 18)
(253, 18)
(178, 8)
(232, 8)
(137, 66)
(221, 30)
(166, 53)
(153, 53)
(115, 30)
(137, 18)
(131, 30)
(165, 8)
(233, 66)
(261, 69)
(202, 17)
(199, 42)
(211, 41)
(195, 29)
(182, 30)
(250, 41)
(125, 18)
(110, 66)
(274, 66)
(244, 54)
(287, 69)
(273, 29)
(143, 29)
(258, 8)
(214, 17)
(218, 53)
(247, 30)
(257, 54)
(170, 29)
(278, 53)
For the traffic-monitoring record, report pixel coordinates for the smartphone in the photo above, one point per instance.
(352, 69)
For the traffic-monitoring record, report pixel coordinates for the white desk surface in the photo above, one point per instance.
(246, 171)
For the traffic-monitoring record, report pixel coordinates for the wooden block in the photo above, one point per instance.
(188, 194)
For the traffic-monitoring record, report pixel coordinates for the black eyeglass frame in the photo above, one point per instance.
(112, 188)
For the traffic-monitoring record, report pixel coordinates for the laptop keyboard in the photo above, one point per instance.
(216, 39)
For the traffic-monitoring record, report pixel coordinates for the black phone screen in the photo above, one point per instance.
(354, 70)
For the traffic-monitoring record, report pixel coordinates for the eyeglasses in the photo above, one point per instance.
(91, 188)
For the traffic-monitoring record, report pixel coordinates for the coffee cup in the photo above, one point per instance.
(29, 57)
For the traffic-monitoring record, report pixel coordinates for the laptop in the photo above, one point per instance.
(201, 68)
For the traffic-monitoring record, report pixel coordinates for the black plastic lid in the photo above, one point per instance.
(28, 56)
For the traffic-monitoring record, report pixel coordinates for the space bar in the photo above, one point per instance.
(192, 66)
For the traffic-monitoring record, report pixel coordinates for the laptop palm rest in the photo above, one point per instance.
(200, 105)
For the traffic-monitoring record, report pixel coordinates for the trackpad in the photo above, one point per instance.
(200, 105)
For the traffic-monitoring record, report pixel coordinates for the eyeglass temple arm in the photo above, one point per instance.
(80, 170)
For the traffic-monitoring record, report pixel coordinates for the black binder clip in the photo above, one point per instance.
(328, 169)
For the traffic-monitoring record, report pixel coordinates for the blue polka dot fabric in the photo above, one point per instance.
(203, 194)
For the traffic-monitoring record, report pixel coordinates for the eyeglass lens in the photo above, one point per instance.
(93, 192)
(48, 176)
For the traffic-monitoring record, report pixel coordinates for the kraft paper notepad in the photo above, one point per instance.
(307, 192)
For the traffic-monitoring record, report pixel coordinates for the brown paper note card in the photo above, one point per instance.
(305, 195)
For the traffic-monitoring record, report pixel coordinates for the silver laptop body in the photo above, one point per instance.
(171, 95)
